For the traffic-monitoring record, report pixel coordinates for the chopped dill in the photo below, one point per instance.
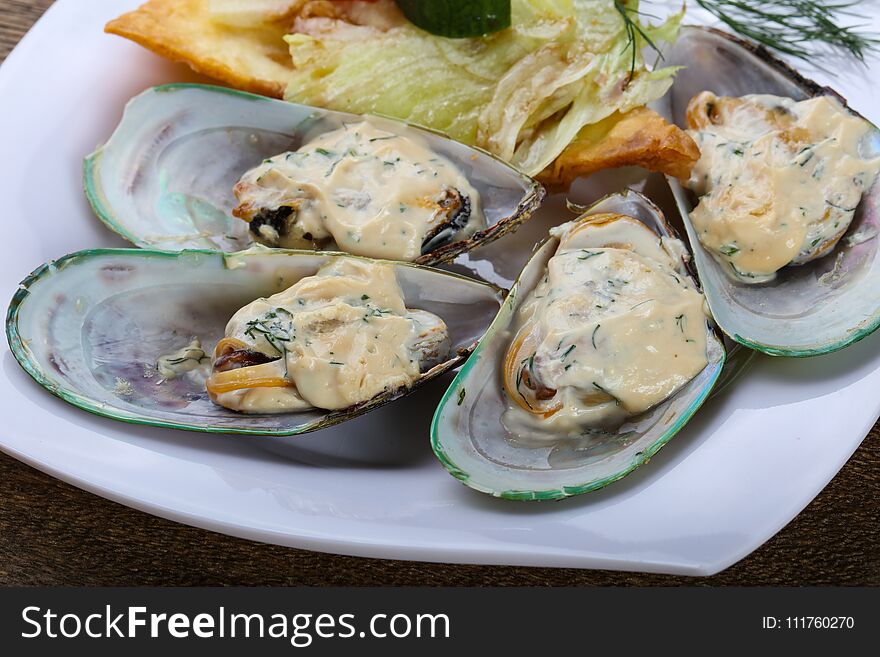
(601, 389)
(519, 377)
(178, 361)
(841, 207)
(332, 167)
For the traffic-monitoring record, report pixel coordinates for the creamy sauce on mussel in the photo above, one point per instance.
(361, 190)
(331, 341)
(779, 180)
(613, 328)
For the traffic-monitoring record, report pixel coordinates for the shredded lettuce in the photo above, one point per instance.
(523, 93)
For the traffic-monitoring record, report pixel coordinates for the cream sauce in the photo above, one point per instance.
(613, 328)
(367, 191)
(183, 360)
(340, 337)
(779, 180)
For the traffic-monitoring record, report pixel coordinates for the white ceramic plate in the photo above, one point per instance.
(747, 464)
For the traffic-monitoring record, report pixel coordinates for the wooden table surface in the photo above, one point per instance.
(54, 534)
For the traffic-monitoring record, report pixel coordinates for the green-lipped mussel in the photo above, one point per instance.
(201, 167)
(819, 289)
(128, 333)
(601, 353)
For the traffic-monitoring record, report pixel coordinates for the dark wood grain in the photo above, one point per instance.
(53, 533)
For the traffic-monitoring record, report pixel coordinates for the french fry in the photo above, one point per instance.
(640, 137)
(254, 59)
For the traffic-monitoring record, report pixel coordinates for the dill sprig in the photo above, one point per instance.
(791, 26)
(633, 28)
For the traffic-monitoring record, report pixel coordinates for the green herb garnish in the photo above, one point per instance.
(519, 376)
(601, 389)
(680, 322)
(641, 303)
(633, 31)
(792, 26)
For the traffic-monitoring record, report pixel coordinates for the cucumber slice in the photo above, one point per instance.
(457, 18)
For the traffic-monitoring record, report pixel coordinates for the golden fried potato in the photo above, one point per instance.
(252, 58)
(640, 137)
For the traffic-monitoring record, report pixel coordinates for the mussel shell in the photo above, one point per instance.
(164, 179)
(90, 326)
(467, 434)
(810, 309)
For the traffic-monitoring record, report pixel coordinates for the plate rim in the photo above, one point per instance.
(400, 550)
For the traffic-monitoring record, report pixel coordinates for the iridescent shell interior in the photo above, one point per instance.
(90, 327)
